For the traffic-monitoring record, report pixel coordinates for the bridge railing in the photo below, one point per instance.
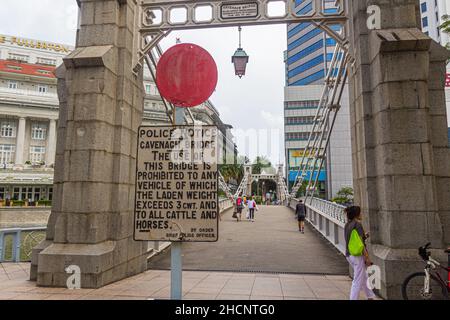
(326, 217)
(16, 243)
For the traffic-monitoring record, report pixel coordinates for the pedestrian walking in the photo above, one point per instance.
(239, 207)
(300, 210)
(251, 204)
(268, 196)
(356, 252)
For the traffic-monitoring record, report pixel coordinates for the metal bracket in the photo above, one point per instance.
(159, 17)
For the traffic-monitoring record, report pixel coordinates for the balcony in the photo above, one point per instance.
(25, 95)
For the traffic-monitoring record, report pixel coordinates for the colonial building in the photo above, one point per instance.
(29, 114)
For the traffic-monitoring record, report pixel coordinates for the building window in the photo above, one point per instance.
(15, 68)
(38, 131)
(37, 154)
(46, 61)
(8, 129)
(16, 193)
(42, 88)
(150, 89)
(7, 153)
(44, 72)
(50, 193)
(27, 193)
(425, 22)
(18, 57)
(2, 193)
(13, 85)
(424, 7)
(37, 194)
(307, 104)
(300, 120)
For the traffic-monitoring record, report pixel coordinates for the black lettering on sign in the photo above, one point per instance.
(176, 184)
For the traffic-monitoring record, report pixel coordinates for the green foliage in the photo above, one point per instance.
(258, 199)
(18, 203)
(45, 203)
(344, 196)
(259, 164)
(445, 27)
(232, 171)
(302, 190)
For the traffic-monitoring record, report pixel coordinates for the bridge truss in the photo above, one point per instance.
(159, 18)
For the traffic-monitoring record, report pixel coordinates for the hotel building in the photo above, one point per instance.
(29, 110)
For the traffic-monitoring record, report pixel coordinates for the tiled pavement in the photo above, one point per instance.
(155, 284)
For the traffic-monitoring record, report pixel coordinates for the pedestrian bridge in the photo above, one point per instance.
(271, 244)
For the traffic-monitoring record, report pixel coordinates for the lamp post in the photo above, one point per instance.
(240, 59)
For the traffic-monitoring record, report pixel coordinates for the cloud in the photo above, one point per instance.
(272, 120)
(239, 101)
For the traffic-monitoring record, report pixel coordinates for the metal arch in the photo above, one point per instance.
(155, 18)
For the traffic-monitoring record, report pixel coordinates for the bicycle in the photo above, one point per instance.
(427, 285)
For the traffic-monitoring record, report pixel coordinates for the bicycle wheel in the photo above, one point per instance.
(413, 288)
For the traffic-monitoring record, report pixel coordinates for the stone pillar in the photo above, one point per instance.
(398, 125)
(20, 142)
(91, 224)
(51, 143)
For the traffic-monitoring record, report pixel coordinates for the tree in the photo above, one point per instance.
(233, 171)
(445, 27)
(344, 196)
(259, 164)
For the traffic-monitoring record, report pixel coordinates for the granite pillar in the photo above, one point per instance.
(91, 224)
(400, 150)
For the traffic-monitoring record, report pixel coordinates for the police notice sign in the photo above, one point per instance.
(177, 184)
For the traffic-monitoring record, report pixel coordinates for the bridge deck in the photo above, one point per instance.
(270, 244)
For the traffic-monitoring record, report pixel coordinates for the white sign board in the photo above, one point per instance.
(239, 10)
(177, 184)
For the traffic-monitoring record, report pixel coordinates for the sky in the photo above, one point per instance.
(253, 105)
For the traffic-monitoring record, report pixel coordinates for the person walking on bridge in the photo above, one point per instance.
(251, 204)
(239, 206)
(300, 211)
(356, 253)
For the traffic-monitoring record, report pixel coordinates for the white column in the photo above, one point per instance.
(51, 143)
(20, 142)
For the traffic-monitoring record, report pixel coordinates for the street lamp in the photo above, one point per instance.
(240, 59)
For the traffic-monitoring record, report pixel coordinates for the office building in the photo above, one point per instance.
(309, 52)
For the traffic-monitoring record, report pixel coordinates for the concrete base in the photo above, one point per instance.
(96, 261)
(396, 265)
(35, 256)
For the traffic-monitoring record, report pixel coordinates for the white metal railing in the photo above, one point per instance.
(22, 246)
(326, 217)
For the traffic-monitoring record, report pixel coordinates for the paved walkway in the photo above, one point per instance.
(274, 261)
(155, 284)
(270, 244)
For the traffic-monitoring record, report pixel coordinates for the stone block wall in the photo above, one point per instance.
(91, 224)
